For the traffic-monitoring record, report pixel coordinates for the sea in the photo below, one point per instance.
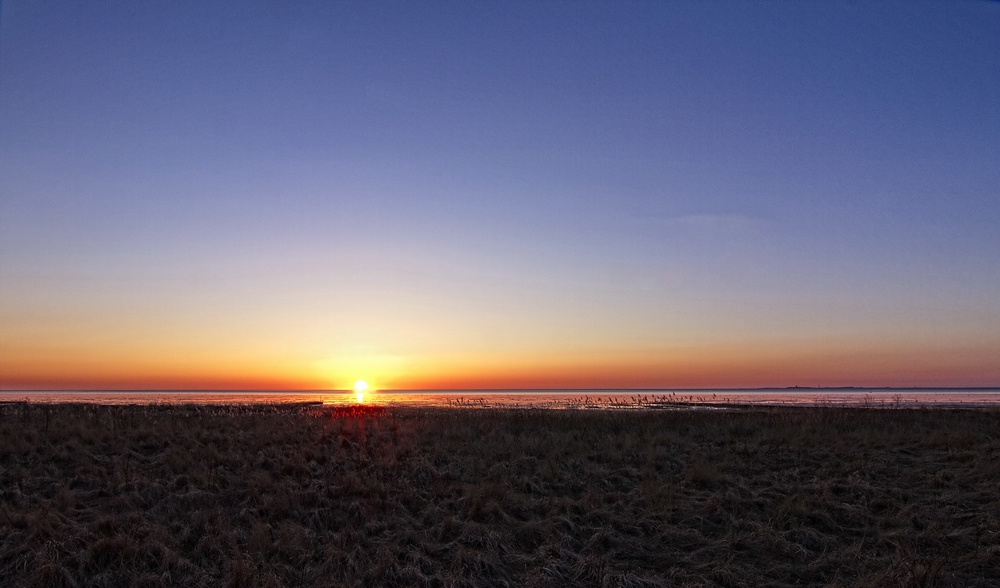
(704, 399)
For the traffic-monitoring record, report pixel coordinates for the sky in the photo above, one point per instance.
(434, 195)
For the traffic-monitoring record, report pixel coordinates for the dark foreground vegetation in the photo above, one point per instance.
(311, 496)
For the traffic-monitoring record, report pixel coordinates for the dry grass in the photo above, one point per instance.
(305, 496)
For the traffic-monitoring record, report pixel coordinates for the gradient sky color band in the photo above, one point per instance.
(199, 195)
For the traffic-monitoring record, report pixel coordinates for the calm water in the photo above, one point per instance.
(564, 399)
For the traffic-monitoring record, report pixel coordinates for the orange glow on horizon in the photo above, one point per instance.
(718, 366)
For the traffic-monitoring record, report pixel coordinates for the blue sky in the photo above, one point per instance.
(405, 188)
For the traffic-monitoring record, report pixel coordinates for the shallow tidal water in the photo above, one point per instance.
(556, 399)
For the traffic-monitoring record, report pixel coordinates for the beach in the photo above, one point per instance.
(314, 495)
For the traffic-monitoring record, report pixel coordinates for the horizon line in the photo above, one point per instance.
(481, 390)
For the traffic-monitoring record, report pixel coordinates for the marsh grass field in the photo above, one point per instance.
(338, 496)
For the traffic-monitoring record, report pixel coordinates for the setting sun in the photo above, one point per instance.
(360, 387)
